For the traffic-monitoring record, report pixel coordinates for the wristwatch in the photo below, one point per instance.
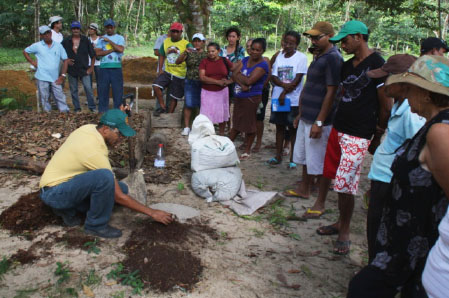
(319, 123)
(63, 74)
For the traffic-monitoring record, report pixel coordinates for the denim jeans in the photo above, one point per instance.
(110, 77)
(97, 75)
(45, 89)
(91, 192)
(192, 93)
(87, 84)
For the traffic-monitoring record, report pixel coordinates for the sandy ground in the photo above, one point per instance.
(252, 258)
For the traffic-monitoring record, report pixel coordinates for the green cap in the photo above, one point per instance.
(351, 27)
(115, 118)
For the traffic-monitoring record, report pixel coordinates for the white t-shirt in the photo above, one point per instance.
(286, 69)
(435, 277)
(56, 36)
(94, 43)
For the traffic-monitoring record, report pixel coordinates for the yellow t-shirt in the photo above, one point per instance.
(84, 150)
(172, 50)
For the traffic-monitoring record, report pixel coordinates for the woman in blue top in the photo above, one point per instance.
(250, 78)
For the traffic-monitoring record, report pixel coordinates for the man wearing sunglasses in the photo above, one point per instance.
(317, 109)
(173, 75)
(79, 50)
(79, 178)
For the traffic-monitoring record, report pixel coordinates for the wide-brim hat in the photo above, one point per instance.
(428, 72)
(54, 19)
(395, 64)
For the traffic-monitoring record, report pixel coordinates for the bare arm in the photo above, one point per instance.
(385, 105)
(129, 202)
(100, 52)
(156, 52)
(161, 61)
(206, 80)
(257, 73)
(181, 58)
(28, 58)
(315, 131)
(435, 154)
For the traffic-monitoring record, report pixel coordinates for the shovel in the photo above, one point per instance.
(135, 179)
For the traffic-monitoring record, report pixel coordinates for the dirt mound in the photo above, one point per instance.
(76, 238)
(140, 70)
(24, 257)
(161, 254)
(29, 213)
(19, 79)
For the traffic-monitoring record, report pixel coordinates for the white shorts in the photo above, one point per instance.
(310, 152)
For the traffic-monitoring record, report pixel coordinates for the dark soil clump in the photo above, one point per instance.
(28, 214)
(161, 253)
(76, 238)
(24, 256)
(163, 267)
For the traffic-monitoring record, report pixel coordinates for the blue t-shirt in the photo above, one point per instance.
(48, 59)
(402, 125)
(114, 59)
(256, 88)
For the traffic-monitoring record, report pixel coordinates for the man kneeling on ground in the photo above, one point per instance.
(79, 178)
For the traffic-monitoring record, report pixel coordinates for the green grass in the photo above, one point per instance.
(11, 56)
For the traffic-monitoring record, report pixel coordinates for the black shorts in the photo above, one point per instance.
(260, 116)
(284, 118)
(176, 85)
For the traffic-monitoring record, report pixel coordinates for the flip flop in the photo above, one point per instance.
(291, 166)
(244, 156)
(273, 161)
(342, 248)
(293, 193)
(327, 230)
(312, 214)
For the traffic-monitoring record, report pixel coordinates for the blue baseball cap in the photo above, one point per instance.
(109, 22)
(75, 24)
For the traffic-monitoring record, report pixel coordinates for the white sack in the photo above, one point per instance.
(213, 152)
(217, 184)
(201, 127)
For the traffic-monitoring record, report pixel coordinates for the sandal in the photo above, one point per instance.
(244, 156)
(313, 214)
(273, 161)
(293, 193)
(342, 248)
(327, 230)
(291, 166)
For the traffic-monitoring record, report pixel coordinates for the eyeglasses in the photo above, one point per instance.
(316, 38)
(175, 31)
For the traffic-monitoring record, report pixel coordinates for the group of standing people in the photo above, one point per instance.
(78, 57)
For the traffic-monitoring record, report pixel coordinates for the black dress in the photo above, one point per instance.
(410, 219)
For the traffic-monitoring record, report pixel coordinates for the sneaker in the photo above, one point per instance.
(69, 220)
(185, 131)
(106, 232)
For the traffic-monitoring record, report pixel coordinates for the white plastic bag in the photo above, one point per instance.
(213, 152)
(217, 184)
(201, 127)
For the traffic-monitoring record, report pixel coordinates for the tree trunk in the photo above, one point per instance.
(36, 20)
(276, 32)
(137, 18)
(347, 13)
(111, 9)
(194, 14)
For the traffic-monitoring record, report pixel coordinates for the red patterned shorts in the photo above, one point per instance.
(343, 160)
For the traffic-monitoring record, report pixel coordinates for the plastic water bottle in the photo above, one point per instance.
(159, 161)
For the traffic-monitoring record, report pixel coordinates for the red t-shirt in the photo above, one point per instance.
(215, 69)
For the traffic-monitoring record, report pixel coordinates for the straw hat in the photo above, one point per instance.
(428, 72)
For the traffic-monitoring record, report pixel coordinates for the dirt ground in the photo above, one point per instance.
(251, 257)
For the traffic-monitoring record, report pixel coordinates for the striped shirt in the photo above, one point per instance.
(323, 71)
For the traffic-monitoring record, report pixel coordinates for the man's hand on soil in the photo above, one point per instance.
(162, 217)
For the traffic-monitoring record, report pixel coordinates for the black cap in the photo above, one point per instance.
(433, 43)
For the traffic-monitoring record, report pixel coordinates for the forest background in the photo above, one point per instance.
(396, 26)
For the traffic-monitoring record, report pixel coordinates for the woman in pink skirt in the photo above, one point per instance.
(214, 72)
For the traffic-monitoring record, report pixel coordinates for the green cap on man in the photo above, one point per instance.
(115, 118)
(351, 27)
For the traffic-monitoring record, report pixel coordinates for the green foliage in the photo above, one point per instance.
(62, 272)
(181, 186)
(11, 56)
(5, 264)
(119, 294)
(129, 279)
(25, 293)
(92, 247)
(92, 278)
(278, 216)
(13, 99)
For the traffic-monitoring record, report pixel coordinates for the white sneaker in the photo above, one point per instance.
(185, 131)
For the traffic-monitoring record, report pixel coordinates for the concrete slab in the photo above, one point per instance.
(182, 212)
